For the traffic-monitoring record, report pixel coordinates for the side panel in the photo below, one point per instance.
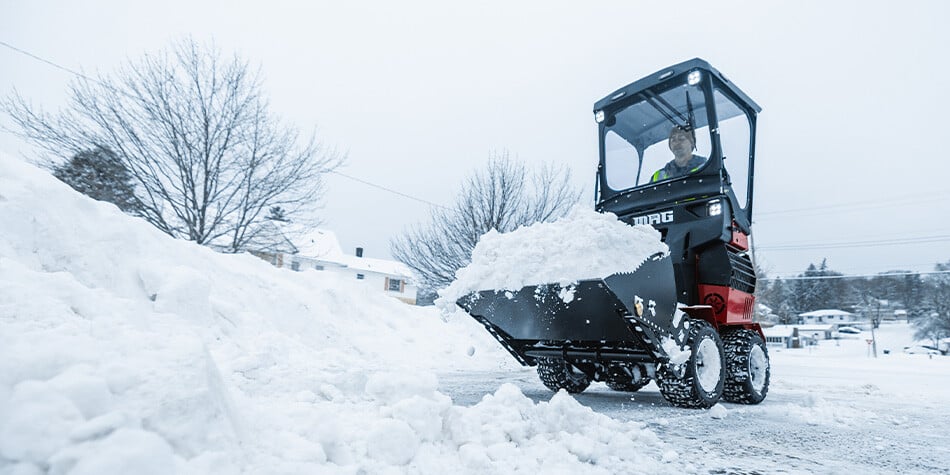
(729, 306)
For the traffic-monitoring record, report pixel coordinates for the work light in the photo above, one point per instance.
(694, 78)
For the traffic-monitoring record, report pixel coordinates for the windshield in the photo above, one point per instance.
(661, 137)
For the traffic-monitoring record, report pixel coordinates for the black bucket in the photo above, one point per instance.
(628, 306)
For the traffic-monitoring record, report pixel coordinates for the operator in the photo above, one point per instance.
(682, 143)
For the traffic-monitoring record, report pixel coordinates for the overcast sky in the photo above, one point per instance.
(852, 146)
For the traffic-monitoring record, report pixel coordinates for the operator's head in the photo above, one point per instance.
(681, 140)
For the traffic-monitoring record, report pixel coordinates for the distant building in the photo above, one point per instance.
(799, 336)
(826, 316)
(782, 336)
(320, 250)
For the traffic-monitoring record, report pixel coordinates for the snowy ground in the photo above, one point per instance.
(831, 409)
(123, 351)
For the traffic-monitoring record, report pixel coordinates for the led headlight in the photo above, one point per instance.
(714, 208)
(694, 78)
(599, 116)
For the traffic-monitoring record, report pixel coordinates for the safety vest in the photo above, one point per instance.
(663, 174)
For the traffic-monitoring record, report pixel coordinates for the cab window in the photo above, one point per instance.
(636, 139)
(735, 138)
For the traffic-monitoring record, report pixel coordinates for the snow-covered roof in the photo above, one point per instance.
(271, 236)
(815, 328)
(323, 245)
(802, 329)
(319, 244)
(370, 264)
(825, 313)
(778, 330)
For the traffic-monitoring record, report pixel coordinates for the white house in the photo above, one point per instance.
(320, 250)
(780, 336)
(826, 316)
(798, 336)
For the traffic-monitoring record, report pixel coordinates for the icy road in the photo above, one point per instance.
(831, 409)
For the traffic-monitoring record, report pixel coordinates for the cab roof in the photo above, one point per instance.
(664, 75)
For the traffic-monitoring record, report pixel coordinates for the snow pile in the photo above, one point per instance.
(583, 245)
(125, 351)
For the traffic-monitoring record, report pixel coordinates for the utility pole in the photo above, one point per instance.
(874, 338)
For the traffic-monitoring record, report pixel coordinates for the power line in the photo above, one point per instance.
(847, 244)
(824, 277)
(404, 195)
(57, 66)
(83, 76)
(896, 201)
(787, 247)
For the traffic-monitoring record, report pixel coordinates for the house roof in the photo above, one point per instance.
(323, 245)
(319, 243)
(815, 328)
(269, 236)
(780, 330)
(826, 313)
(381, 266)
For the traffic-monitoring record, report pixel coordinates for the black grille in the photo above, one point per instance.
(743, 273)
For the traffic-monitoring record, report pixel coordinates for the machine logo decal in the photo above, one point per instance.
(654, 218)
(717, 303)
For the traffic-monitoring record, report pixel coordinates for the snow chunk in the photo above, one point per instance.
(567, 293)
(100, 426)
(583, 245)
(677, 354)
(23, 468)
(124, 451)
(424, 416)
(36, 423)
(394, 387)
(718, 412)
(89, 393)
(392, 442)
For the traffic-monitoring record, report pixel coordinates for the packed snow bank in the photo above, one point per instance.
(583, 245)
(125, 351)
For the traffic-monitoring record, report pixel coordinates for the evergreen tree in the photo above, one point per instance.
(910, 291)
(819, 289)
(932, 316)
(777, 296)
(99, 174)
(277, 213)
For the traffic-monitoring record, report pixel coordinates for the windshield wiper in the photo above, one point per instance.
(651, 97)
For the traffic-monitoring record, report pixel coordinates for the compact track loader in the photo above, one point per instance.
(683, 318)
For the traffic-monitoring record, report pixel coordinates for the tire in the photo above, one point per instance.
(558, 374)
(748, 369)
(699, 381)
(627, 379)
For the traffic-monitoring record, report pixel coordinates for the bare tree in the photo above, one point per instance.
(503, 197)
(194, 130)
